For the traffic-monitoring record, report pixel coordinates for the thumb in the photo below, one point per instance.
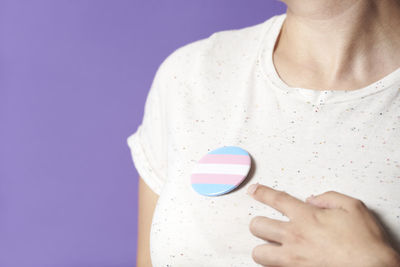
(331, 200)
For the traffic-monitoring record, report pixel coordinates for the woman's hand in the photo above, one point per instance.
(331, 229)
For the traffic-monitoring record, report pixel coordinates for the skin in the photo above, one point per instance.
(147, 201)
(338, 44)
(330, 230)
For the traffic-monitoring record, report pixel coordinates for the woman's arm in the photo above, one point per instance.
(147, 202)
(392, 258)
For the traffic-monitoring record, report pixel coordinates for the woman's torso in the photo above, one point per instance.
(303, 142)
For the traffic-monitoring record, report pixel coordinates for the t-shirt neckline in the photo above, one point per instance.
(269, 37)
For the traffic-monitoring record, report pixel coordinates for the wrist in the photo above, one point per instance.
(391, 258)
(382, 256)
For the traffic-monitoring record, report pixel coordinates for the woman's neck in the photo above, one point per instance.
(340, 40)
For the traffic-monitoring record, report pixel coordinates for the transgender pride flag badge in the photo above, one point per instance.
(220, 171)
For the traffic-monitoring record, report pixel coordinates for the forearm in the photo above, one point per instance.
(394, 259)
(390, 258)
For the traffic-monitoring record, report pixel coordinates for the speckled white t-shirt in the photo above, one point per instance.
(224, 90)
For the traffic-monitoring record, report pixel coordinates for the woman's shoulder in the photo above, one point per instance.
(197, 74)
(219, 45)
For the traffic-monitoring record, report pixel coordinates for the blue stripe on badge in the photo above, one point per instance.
(232, 150)
(212, 189)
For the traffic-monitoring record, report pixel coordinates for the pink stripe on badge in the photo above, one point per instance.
(216, 178)
(226, 158)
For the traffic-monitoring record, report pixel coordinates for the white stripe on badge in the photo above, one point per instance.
(221, 168)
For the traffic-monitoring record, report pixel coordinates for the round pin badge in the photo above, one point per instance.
(220, 171)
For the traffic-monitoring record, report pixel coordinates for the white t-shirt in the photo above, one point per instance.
(224, 90)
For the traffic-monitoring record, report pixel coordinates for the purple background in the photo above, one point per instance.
(74, 76)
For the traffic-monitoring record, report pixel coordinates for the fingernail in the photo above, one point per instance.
(252, 188)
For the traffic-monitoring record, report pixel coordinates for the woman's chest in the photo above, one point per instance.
(213, 231)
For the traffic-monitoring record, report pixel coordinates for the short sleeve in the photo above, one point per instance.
(148, 144)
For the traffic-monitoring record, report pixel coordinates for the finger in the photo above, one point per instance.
(268, 229)
(333, 199)
(269, 255)
(280, 200)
